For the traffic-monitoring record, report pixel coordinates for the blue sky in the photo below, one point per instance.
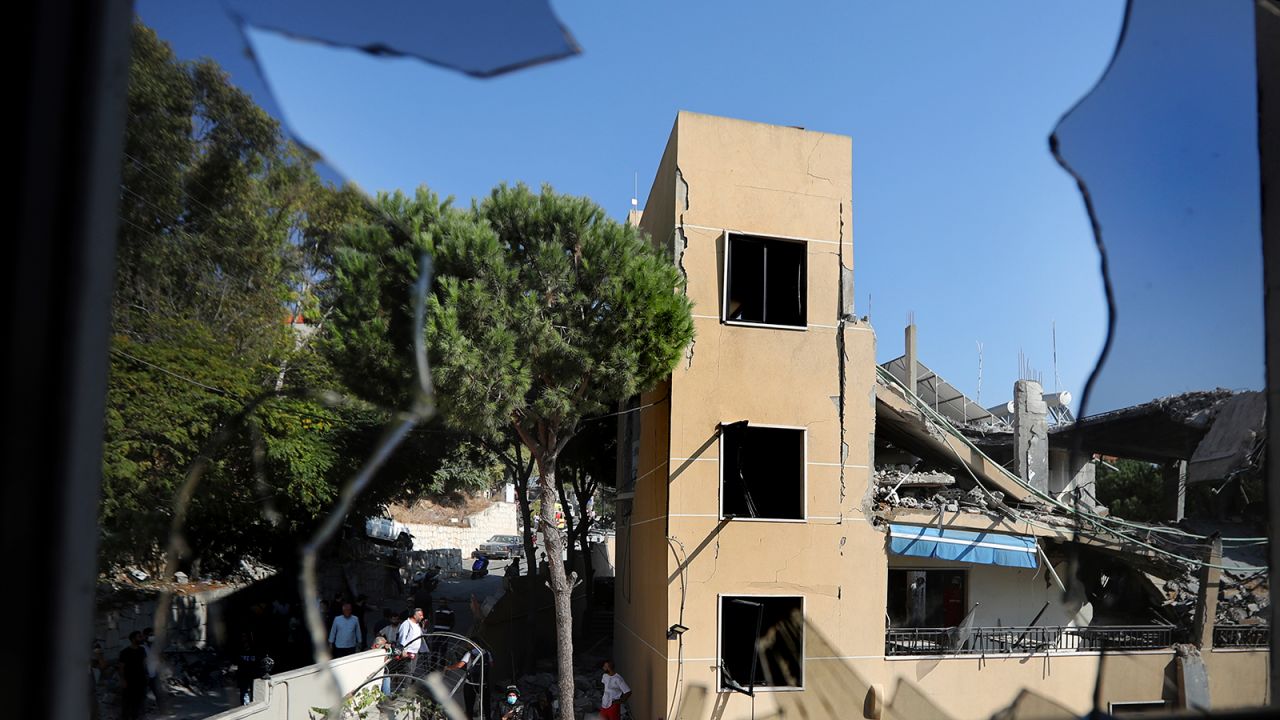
(961, 214)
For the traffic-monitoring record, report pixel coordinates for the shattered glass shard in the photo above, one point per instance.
(1165, 150)
(481, 38)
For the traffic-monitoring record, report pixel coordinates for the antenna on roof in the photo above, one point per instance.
(979, 398)
(635, 191)
(1053, 329)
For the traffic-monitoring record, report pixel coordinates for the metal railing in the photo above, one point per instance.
(1241, 636)
(1034, 639)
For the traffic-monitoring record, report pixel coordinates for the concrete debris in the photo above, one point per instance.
(251, 570)
(587, 685)
(1243, 599)
(903, 476)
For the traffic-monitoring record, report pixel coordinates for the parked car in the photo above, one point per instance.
(500, 546)
(386, 530)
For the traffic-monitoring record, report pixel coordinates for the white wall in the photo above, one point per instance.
(1009, 596)
(500, 518)
(291, 695)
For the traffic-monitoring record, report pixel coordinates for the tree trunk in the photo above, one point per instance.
(561, 585)
(570, 525)
(526, 518)
(583, 492)
(588, 570)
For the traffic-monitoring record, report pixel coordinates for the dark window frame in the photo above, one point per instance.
(724, 449)
(963, 572)
(765, 242)
(721, 600)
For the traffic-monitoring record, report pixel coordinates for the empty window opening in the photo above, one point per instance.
(765, 280)
(1137, 707)
(770, 657)
(762, 472)
(927, 598)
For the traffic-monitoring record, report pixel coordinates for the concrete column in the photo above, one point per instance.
(913, 373)
(1031, 434)
(1207, 599)
(1174, 497)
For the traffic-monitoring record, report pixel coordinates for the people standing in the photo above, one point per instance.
(133, 678)
(616, 692)
(389, 628)
(153, 668)
(409, 638)
(443, 619)
(473, 664)
(345, 635)
(248, 668)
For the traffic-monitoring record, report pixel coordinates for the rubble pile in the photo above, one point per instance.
(899, 487)
(1180, 596)
(587, 685)
(1243, 599)
(1195, 408)
(896, 475)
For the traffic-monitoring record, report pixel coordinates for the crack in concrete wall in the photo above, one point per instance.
(841, 355)
(680, 243)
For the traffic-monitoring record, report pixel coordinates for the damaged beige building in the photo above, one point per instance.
(750, 517)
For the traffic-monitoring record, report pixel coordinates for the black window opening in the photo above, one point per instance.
(766, 281)
(927, 598)
(762, 472)
(771, 657)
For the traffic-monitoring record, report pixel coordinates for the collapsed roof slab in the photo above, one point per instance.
(907, 428)
(1166, 429)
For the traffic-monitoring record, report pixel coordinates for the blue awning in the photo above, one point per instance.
(963, 546)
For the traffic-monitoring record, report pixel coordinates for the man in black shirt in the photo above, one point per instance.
(133, 677)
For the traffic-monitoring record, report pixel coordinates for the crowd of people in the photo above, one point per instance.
(416, 641)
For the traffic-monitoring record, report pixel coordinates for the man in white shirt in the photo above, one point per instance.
(410, 640)
(616, 692)
(345, 635)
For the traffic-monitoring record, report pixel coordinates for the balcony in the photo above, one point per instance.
(1021, 640)
(1241, 636)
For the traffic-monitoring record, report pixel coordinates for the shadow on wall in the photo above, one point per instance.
(836, 689)
(521, 627)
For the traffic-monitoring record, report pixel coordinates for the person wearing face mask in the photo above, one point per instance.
(513, 708)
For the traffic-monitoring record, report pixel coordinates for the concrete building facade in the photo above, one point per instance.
(746, 480)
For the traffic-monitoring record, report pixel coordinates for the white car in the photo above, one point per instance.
(386, 530)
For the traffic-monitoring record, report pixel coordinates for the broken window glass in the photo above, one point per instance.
(478, 37)
(762, 472)
(1165, 149)
(761, 642)
(221, 448)
(765, 281)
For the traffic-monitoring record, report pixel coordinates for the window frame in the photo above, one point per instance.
(966, 572)
(727, 236)
(804, 647)
(804, 476)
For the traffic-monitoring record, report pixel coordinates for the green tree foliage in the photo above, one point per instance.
(544, 312)
(212, 204)
(1131, 491)
(224, 234)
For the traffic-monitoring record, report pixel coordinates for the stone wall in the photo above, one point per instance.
(188, 624)
(500, 518)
